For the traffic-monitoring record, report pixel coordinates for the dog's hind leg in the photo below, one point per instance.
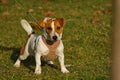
(23, 55)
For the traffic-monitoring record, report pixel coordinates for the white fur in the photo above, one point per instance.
(36, 46)
(26, 26)
(53, 31)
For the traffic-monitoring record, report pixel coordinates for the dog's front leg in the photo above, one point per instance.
(61, 60)
(38, 63)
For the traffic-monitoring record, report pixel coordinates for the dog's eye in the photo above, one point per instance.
(49, 28)
(58, 28)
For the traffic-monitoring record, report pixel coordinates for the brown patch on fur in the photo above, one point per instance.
(52, 46)
(61, 21)
(23, 47)
(58, 25)
(48, 26)
(46, 23)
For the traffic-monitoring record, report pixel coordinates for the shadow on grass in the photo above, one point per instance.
(30, 61)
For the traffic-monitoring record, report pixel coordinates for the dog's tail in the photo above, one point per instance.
(26, 26)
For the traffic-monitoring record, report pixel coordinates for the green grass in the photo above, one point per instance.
(87, 44)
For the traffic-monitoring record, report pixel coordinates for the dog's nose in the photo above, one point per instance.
(55, 38)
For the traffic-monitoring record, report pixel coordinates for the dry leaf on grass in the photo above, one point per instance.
(108, 5)
(107, 11)
(18, 7)
(40, 7)
(46, 1)
(6, 13)
(100, 11)
(49, 13)
(69, 48)
(30, 10)
(95, 20)
(4, 1)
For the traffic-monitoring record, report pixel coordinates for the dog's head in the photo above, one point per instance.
(52, 28)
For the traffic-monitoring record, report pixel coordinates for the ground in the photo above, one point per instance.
(86, 37)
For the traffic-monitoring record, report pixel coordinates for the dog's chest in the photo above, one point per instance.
(52, 47)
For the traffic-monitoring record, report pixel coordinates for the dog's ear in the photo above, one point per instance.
(44, 21)
(61, 21)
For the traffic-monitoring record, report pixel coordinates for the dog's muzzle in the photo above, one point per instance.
(54, 38)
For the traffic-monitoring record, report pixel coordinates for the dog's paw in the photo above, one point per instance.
(64, 70)
(38, 71)
(17, 65)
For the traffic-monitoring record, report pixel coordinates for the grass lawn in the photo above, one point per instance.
(86, 37)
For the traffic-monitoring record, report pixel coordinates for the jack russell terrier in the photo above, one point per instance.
(47, 46)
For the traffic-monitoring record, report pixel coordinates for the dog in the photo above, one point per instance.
(47, 45)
